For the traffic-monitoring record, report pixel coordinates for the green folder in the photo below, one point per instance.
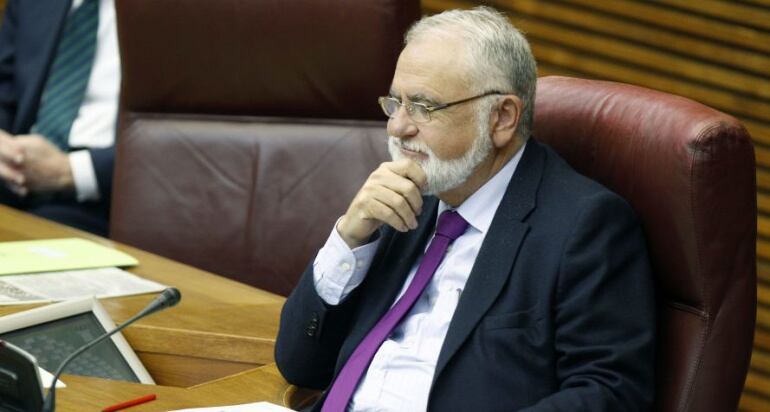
(49, 255)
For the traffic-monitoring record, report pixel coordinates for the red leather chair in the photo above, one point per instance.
(247, 127)
(688, 171)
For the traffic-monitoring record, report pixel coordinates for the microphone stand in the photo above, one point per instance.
(168, 298)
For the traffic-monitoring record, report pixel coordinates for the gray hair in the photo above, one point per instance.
(497, 54)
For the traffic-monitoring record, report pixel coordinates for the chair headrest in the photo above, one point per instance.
(319, 59)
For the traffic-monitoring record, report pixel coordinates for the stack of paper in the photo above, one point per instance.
(43, 270)
(54, 286)
(246, 407)
(32, 256)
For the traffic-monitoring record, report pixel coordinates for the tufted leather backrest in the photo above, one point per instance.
(688, 171)
(247, 126)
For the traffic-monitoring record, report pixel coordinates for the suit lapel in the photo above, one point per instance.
(497, 254)
(387, 275)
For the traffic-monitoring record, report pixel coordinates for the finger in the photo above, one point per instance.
(11, 175)
(381, 212)
(10, 150)
(403, 186)
(410, 170)
(396, 202)
(21, 191)
(28, 142)
(388, 175)
(36, 139)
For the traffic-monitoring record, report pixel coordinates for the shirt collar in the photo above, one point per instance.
(479, 209)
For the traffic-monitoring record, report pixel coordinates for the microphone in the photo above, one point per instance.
(169, 297)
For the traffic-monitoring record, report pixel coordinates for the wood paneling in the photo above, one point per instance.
(713, 51)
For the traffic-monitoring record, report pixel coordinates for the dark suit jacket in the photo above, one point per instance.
(28, 39)
(557, 315)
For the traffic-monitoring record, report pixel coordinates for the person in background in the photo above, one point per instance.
(59, 85)
(477, 270)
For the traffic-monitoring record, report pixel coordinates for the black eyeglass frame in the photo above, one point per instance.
(431, 109)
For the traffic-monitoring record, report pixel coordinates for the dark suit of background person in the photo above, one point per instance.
(29, 37)
(557, 313)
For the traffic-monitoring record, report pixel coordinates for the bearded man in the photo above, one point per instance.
(477, 270)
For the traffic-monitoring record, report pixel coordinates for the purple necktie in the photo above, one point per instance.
(450, 226)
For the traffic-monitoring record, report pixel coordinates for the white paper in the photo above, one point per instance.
(46, 378)
(55, 286)
(246, 407)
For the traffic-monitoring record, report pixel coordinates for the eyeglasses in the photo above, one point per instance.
(420, 112)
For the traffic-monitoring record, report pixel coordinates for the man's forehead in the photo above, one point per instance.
(430, 70)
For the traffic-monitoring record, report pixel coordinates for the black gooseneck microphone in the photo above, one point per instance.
(169, 297)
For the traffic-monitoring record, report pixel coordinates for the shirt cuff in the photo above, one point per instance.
(84, 176)
(338, 270)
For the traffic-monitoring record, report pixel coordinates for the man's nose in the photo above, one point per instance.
(401, 124)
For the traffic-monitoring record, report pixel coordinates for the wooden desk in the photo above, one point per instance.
(208, 350)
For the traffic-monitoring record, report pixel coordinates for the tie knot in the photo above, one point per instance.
(451, 225)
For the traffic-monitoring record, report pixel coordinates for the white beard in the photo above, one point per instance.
(445, 175)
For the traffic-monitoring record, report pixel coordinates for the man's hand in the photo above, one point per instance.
(45, 167)
(391, 195)
(11, 157)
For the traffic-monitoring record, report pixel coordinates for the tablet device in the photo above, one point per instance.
(51, 333)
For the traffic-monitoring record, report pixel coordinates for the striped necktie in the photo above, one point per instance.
(450, 226)
(68, 75)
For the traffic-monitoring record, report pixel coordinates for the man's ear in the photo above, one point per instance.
(505, 120)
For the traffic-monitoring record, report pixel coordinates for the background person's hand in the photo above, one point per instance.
(391, 195)
(11, 158)
(45, 167)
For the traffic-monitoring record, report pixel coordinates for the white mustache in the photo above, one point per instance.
(412, 146)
